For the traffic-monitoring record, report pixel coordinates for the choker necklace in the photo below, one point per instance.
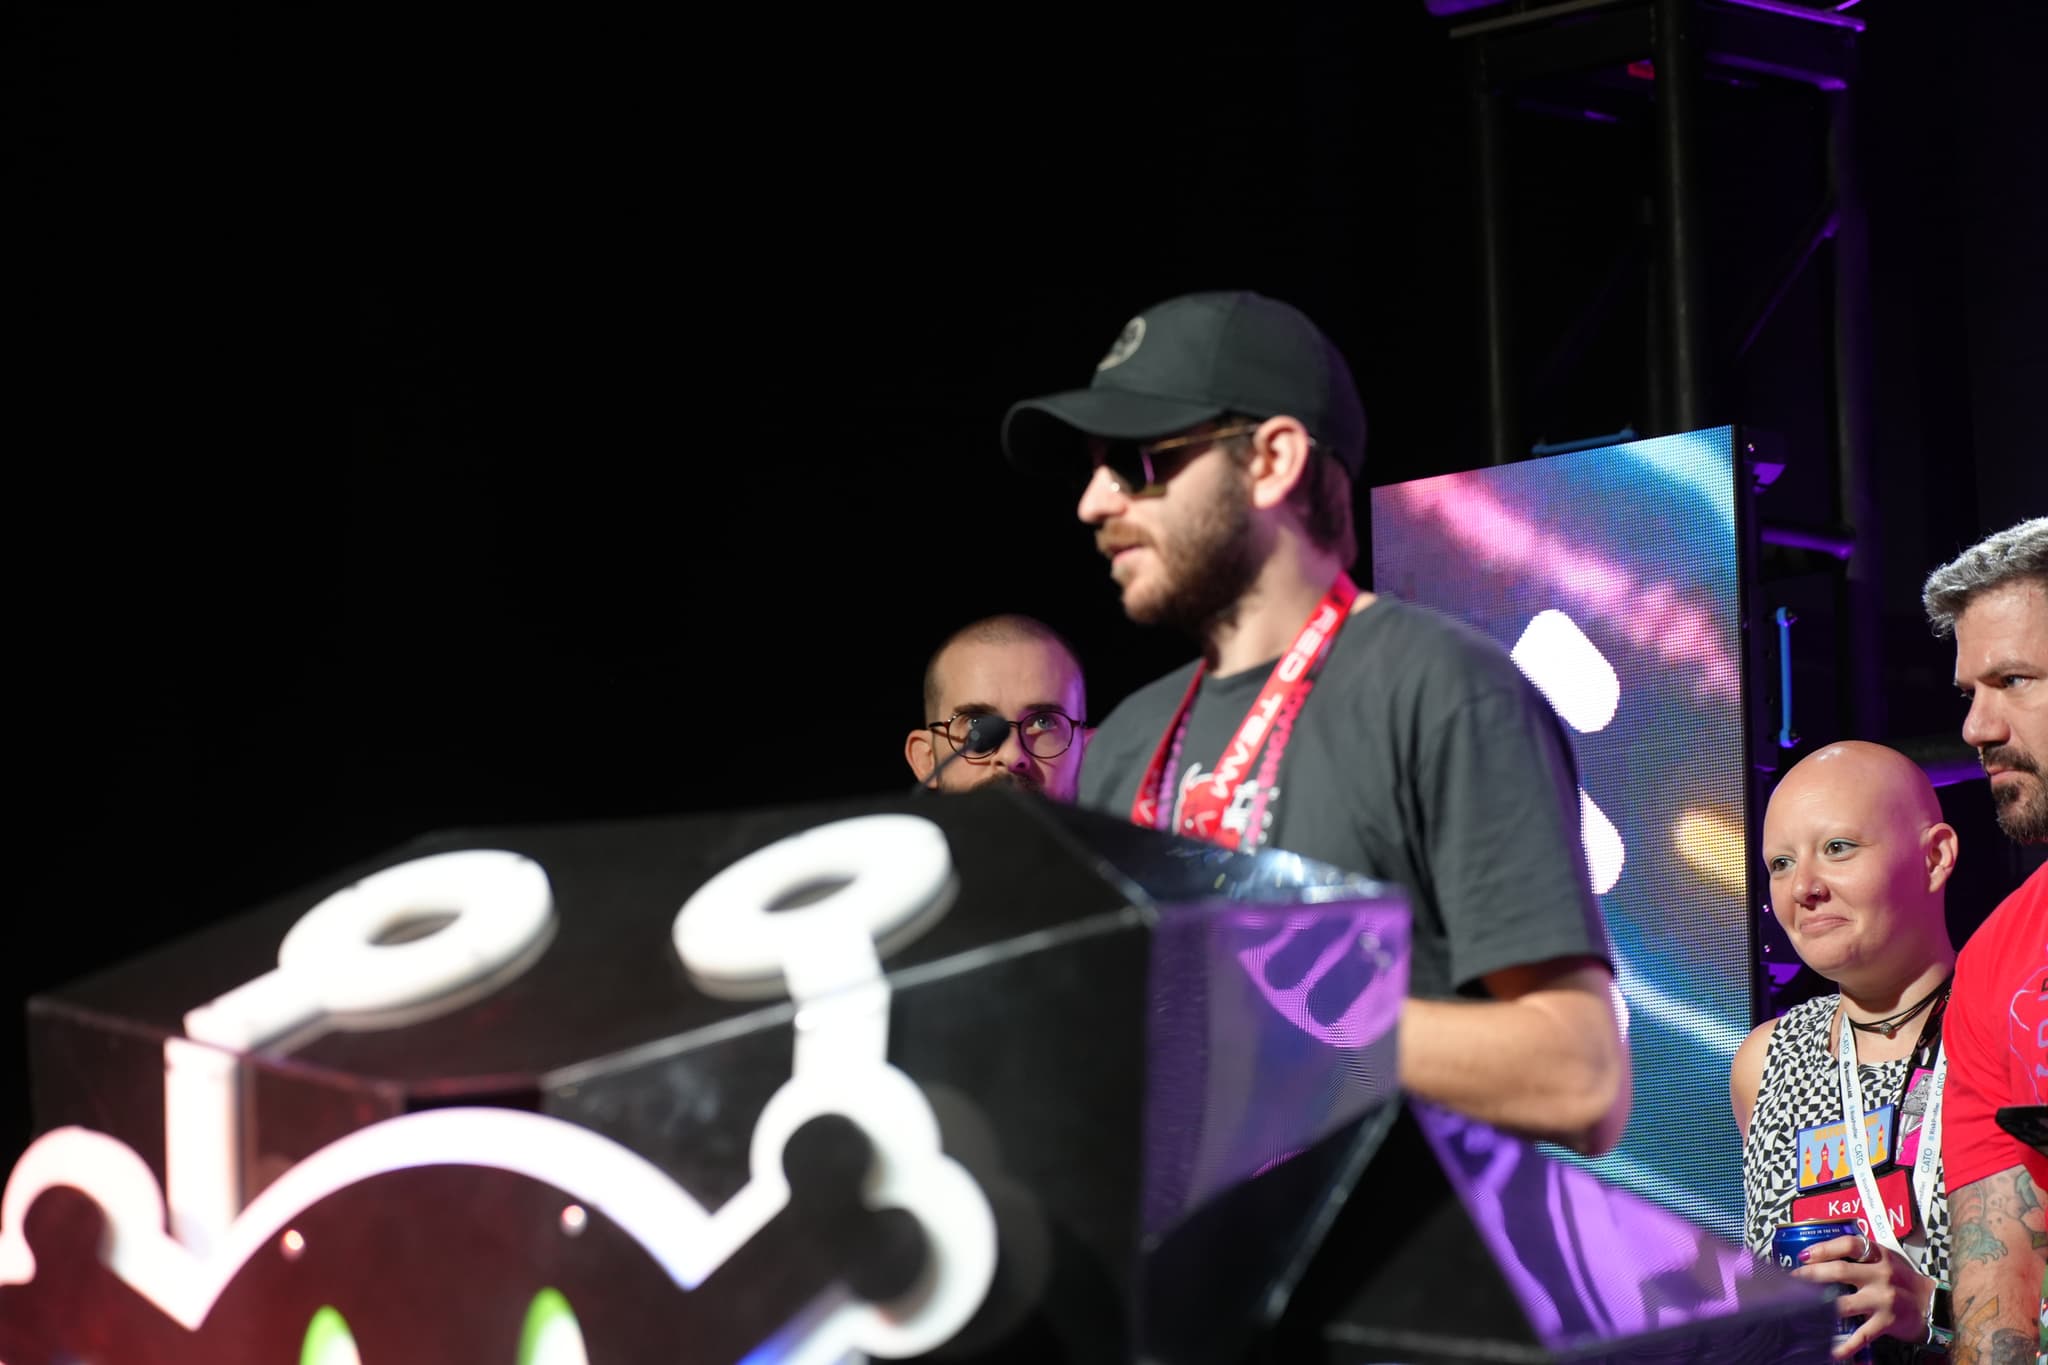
(1890, 1027)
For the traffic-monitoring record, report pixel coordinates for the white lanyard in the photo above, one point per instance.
(1922, 1191)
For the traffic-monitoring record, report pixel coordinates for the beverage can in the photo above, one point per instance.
(1791, 1241)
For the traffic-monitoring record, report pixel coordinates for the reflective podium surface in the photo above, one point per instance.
(976, 1077)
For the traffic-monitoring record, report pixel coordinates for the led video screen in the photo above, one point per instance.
(1612, 576)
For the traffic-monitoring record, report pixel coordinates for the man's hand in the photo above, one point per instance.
(1879, 1285)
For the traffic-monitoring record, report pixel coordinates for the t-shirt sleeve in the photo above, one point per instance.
(1973, 1146)
(1096, 789)
(1500, 807)
(1109, 767)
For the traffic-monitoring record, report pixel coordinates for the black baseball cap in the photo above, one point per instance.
(1190, 360)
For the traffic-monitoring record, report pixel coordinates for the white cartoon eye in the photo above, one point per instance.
(551, 1335)
(1604, 851)
(417, 933)
(1569, 670)
(1585, 691)
(760, 925)
(1583, 688)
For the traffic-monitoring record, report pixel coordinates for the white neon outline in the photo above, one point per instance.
(840, 1067)
(898, 875)
(594, 1170)
(330, 966)
(330, 962)
(898, 878)
(202, 1141)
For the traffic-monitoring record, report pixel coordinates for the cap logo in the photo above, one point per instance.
(1127, 343)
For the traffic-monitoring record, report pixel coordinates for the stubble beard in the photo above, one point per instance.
(2022, 810)
(975, 777)
(2021, 807)
(1208, 564)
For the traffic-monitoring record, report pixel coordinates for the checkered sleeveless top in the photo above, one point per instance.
(1799, 1090)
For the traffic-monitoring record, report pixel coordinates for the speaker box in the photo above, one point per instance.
(979, 1078)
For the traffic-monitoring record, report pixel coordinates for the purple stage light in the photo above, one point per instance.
(1840, 546)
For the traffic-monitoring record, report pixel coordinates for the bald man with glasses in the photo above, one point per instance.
(1009, 671)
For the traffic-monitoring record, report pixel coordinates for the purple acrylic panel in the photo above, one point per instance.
(1589, 1261)
(1270, 1028)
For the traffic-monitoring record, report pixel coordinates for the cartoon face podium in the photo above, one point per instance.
(974, 1078)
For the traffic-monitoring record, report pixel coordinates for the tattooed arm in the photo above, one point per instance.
(1998, 1253)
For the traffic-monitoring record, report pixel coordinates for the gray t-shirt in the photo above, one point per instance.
(1423, 757)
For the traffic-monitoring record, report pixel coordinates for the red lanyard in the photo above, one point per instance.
(1271, 721)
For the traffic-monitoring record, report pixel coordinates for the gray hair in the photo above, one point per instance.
(2018, 552)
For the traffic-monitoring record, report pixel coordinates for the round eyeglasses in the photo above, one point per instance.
(1044, 733)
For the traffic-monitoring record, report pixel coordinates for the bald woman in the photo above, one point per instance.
(1858, 857)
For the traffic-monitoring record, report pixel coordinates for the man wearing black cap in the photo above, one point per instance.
(1224, 433)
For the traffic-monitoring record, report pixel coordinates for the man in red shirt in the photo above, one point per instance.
(1994, 598)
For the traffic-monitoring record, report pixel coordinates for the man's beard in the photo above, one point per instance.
(1209, 563)
(1000, 775)
(2022, 807)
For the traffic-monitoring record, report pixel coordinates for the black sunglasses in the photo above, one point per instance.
(1143, 470)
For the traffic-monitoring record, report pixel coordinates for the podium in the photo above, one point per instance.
(973, 1078)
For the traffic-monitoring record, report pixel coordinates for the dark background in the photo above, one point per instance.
(430, 422)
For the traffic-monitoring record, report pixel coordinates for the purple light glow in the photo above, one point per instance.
(1270, 1028)
(1801, 74)
(1376, 1007)
(1279, 1160)
(1586, 1260)
(1947, 772)
(1652, 616)
(1841, 547)
(1831, 18)
(1781, 973)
